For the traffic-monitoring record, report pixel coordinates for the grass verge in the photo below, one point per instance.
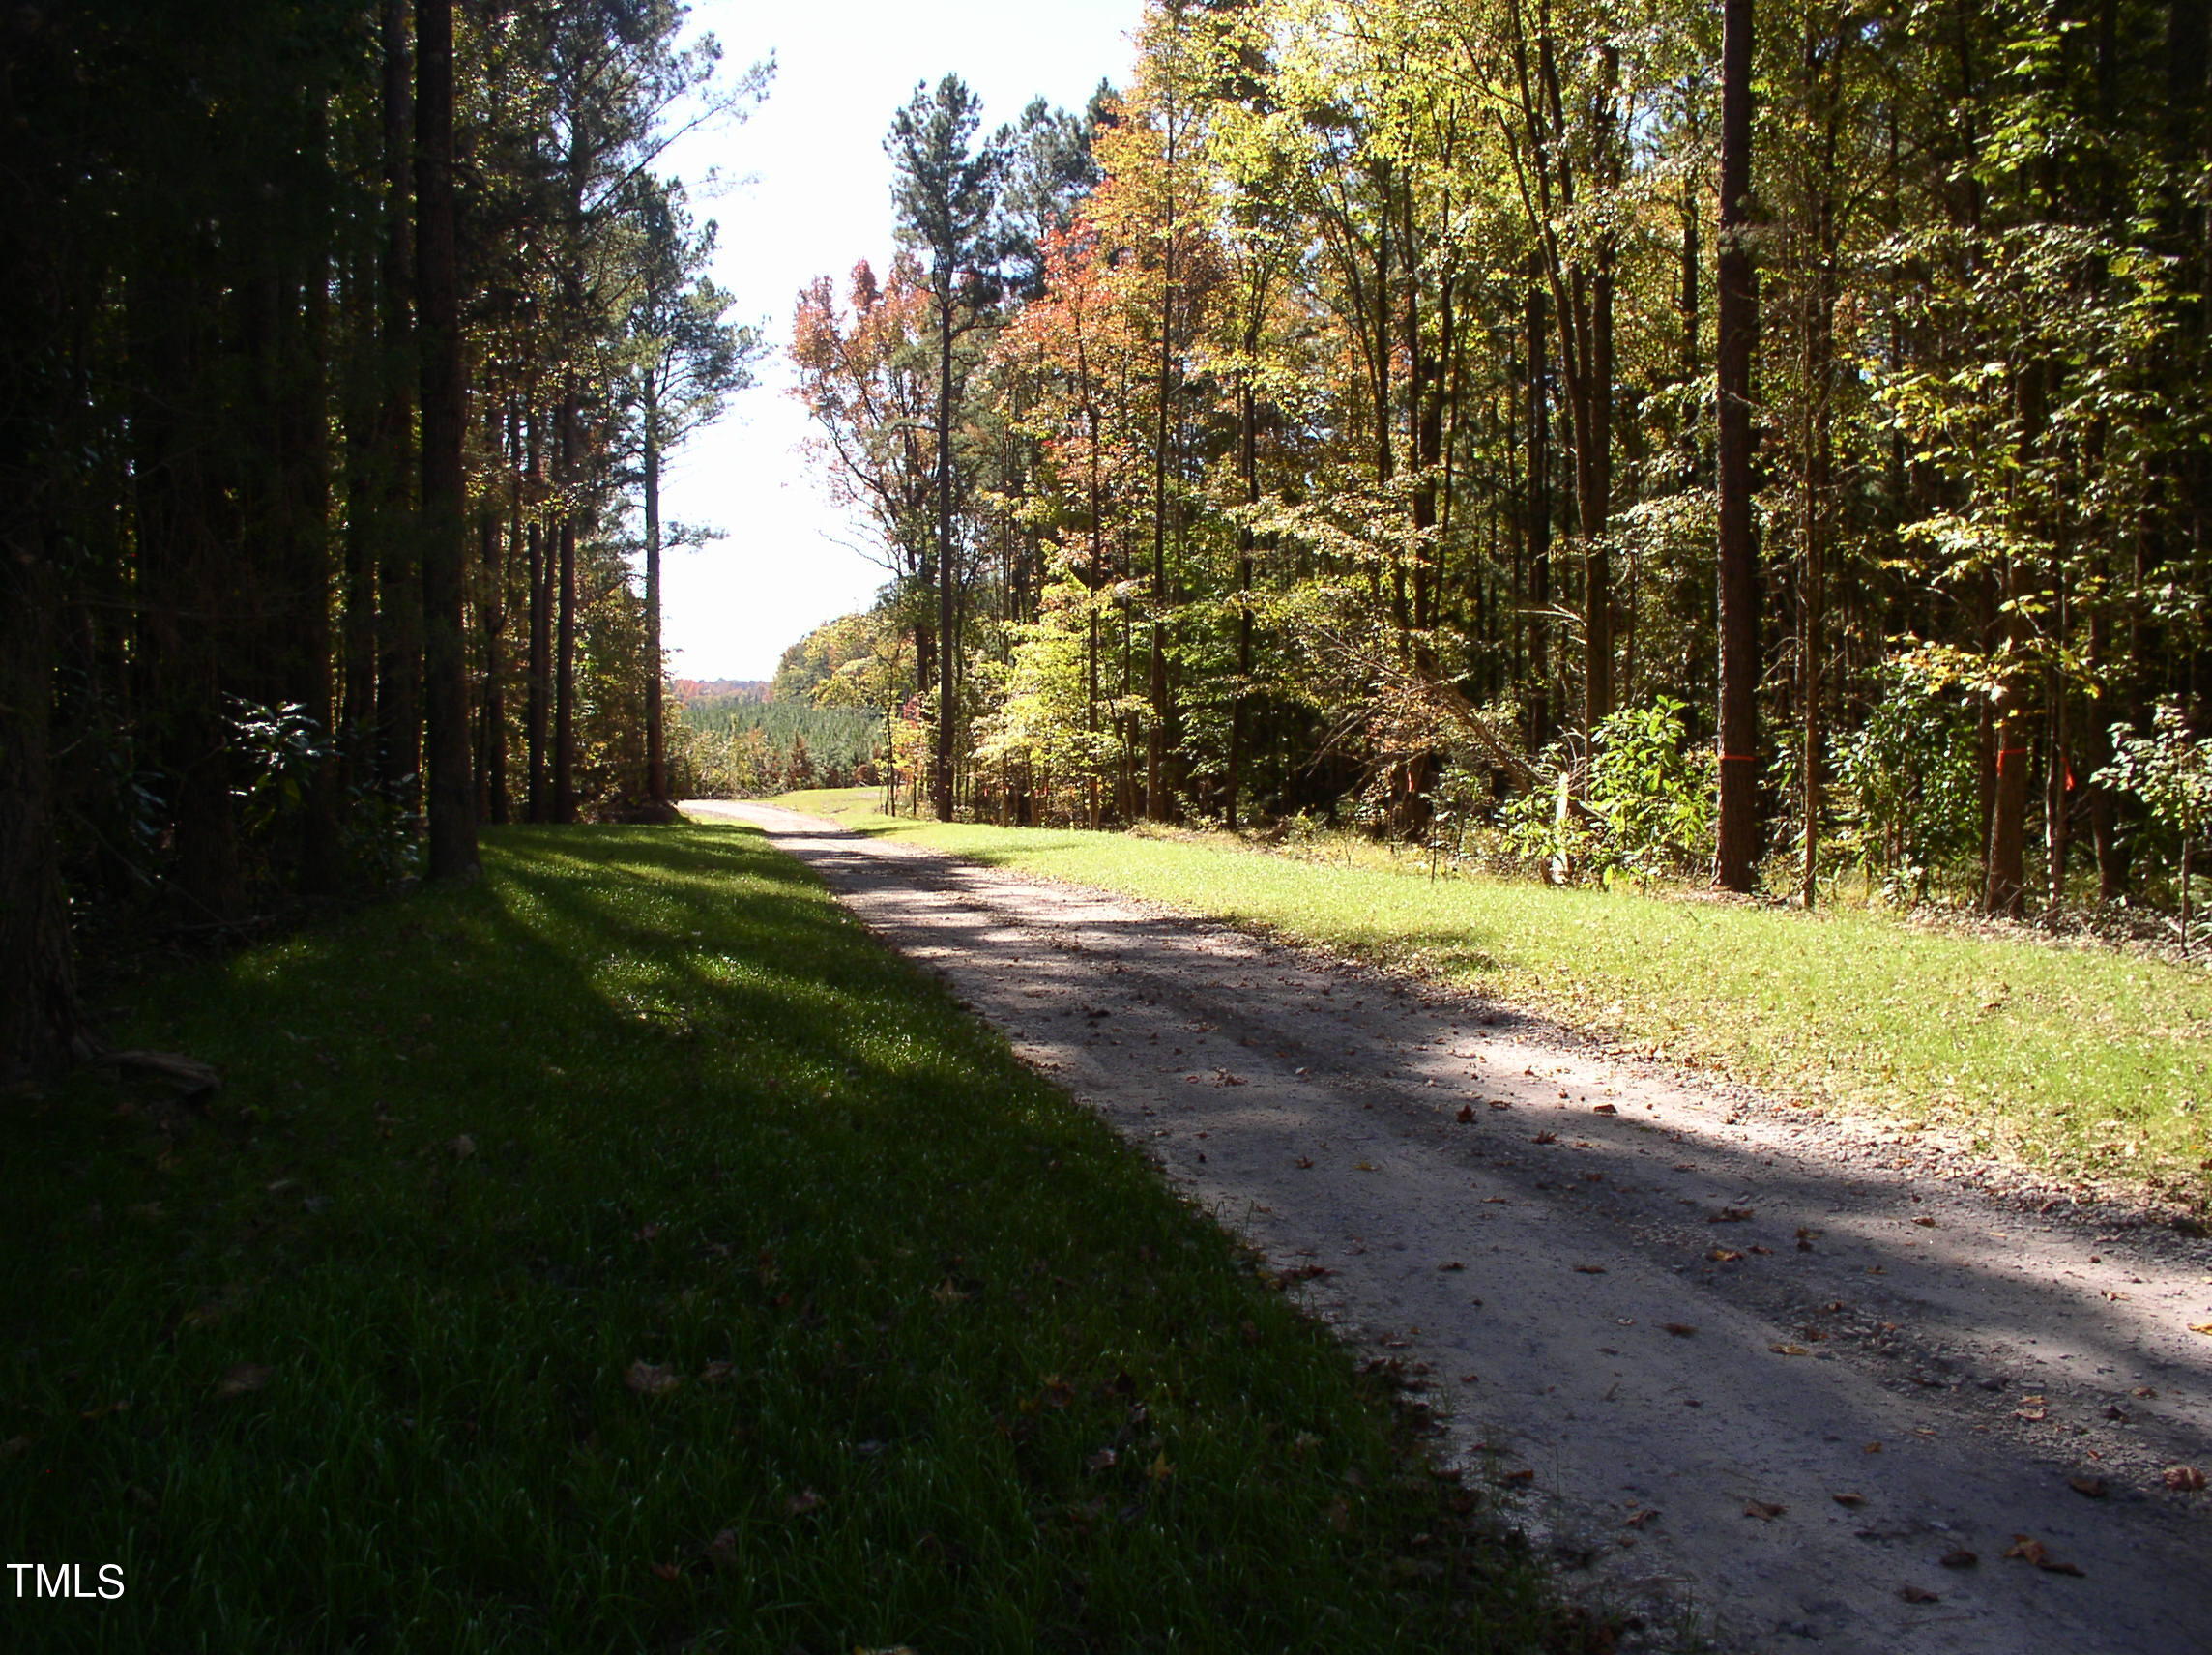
(628, 1252)
(2075, 1062)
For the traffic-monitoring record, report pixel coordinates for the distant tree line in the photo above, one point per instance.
(744, 746)
(1768, 439)
(342, 345)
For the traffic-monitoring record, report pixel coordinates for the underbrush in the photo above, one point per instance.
(2078, 1062)
(629, 1253)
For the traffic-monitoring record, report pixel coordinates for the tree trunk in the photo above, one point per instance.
(1737, 860)
(399, 592)
(41, 1024)
(538, 692)
(1539, 528)
(451, 790)
(564, 673)
(655, 740)
(948, 614)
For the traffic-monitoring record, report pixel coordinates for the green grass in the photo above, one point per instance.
(2079, 1061)
(346, 1363)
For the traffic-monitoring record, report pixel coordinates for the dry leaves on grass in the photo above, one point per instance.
(647, 1380)
(245, 1379)
(802, 1502)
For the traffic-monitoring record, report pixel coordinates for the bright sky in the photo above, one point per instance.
(819, 200)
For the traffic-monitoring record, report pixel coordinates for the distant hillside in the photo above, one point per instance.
(737, 747)
(722, 689)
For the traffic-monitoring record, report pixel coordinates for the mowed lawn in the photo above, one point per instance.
(628, 1252)
(2076, 1060)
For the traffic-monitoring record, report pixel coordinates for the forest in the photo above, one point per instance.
(1765, 443)
(1757, 441)
(344, 345)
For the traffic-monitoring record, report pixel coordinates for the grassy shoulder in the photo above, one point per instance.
(2080, 1061)
(628, 1252)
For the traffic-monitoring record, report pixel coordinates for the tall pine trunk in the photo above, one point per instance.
(655, 738)
(1737, 860)
(450, 791)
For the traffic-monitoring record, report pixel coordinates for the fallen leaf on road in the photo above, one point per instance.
(2201, 1327)
(1788, 1349)
(1958, 1558)
(1465, 1112)
(1848, 1499)
(2093, 1488)
(1724, 1255)
(1545, 1138)
(1604, 1108)
(1222, 1077)
(1521, 1476)
(647, 1380)
(1365, 1167)
(1469, 1378)
(1638, 1519)
(1304, 1161)
(1918, 1594)
(1925, 1222)
(2184, 1479)
(1767, 1511)
(1679, 1329)
(1729, 1215)
(2034, 1552)
(1872, 1448)
(1451, 1264)
(1589, 1269)
(1502, 1103)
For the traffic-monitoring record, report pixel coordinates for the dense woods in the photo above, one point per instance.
(344, 343)
(1765, 440)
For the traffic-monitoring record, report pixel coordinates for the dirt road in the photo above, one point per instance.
(1759, 1365)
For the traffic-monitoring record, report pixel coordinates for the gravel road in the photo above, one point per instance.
(1736, 1366)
